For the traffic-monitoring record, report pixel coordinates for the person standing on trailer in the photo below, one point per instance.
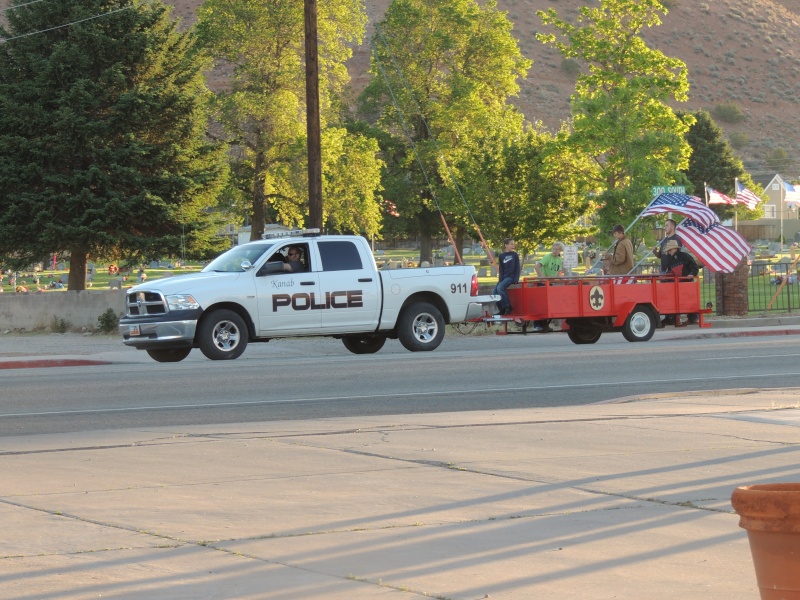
(508, 273)
(660, 251)
(620, 260)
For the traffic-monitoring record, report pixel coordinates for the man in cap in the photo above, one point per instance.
(678, 258)
(619, 261)
(682, 265)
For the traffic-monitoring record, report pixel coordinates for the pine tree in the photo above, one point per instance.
(103, 150)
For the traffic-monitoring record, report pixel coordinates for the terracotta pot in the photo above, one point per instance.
(771, 515)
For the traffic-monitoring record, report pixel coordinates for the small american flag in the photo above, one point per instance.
(688, 206)
(717, 247)
(791, 193)
(715, 197)
(746, 197)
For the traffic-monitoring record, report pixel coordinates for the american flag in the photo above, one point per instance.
(791, 193)
(746, 197)
(689, 206)
(717, 247)
(715, 197)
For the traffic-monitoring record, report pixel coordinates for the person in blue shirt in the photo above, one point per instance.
(508, 273)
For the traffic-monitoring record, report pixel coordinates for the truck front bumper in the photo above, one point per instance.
(157, 334)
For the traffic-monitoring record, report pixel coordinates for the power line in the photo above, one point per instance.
(16, 37)
(7, 8)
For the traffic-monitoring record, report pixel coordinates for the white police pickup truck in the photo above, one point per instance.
(335, 289)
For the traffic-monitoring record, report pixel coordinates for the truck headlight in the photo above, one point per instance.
(182, 302)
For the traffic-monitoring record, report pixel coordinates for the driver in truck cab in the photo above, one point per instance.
(294, 264)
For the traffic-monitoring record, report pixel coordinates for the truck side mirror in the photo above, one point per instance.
(271, 267)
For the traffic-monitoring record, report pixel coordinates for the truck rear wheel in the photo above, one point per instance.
(583, 335)
(640, 325)
(364, 344)
(169, 355)
(222, 335)
(420, 327)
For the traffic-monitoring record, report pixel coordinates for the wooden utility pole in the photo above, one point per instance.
(312, 117)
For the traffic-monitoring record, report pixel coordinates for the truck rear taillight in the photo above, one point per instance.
(473, 290)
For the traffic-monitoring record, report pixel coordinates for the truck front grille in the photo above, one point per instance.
(140, 304)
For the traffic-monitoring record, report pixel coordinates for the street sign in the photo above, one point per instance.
(668, 189)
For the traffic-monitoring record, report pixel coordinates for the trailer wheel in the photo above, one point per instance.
(640, 325)
(420, 327)
(364, 344)
(168, 355)
(222, 335)
(583, 335)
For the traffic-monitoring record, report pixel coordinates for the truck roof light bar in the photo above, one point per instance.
(290, 233)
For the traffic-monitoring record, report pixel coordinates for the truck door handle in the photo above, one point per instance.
(307, 283)
(364, 279)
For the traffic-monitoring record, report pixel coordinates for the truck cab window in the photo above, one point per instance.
(339, 256)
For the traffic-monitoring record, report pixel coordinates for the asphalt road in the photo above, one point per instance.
(304, 379)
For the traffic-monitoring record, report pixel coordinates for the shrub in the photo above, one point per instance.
(738, 139)
(59, 325)
(729, 113)
(570, 66)
(108, 321)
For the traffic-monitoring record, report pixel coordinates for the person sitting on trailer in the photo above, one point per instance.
(681, 264)
(507, 274)
(549, 266)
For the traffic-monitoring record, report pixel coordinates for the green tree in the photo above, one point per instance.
(263, 110)
(620, 111)
(714, 163)
(102, 145)
(526, 187)
(442, 71)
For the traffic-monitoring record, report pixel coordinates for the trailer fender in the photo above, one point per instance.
(623, 310)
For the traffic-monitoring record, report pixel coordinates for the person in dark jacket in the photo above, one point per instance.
(682, 265)
(507, 274)
(677, 257)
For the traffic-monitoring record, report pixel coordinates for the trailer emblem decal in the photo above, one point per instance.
(597, 298)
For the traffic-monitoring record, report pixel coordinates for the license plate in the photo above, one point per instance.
(134, 330)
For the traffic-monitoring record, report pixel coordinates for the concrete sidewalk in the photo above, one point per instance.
(463, 506)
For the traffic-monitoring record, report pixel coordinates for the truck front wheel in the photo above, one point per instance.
(640, 325)
(364, 344)
(168, 355)
(222, 335)
(420, 327)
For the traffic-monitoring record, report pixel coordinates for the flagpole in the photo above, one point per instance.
(599, 260)
(705, 191)
(783, 196)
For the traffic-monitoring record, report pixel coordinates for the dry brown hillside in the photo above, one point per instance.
(739, 51)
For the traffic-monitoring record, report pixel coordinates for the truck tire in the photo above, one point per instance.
(583, 335)
(640, 325)
(420, 327)
(364, 344)
(222, 335)
(169, 355)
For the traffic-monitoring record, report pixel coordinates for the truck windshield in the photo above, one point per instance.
(231, 261)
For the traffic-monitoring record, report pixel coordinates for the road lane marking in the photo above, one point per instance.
(593, 385)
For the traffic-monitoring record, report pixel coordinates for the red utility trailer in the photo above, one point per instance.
(590, 306)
